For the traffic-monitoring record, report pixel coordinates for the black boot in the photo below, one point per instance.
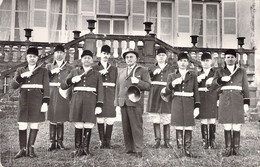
(31, 141)
(78, 142)
(22, 142)
(86, 141)
(167, 135)
(52, 129)
(101, 131)
(108, 135)
(179, 140)
(212, 136)
(187, 143)
(157, 135)
(204, 134)
(60, 134)
(236, 142)
(228, 149)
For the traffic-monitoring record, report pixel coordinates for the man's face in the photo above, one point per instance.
(31, 59)
(230, 59)
(130, 59)
(161, 58)
(206, 63)
(183, 63)
(59, 55)
(104, 56)
(87, 61)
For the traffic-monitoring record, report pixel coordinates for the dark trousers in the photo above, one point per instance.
(132, 122)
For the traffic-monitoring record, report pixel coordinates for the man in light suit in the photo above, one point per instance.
(132, 121)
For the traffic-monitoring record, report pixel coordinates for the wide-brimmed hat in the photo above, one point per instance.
(129, 50)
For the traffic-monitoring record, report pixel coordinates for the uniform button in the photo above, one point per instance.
(28, 81)
(28, 90)
(231, 82)
(84, 85)
(84, 81)
(84, 77)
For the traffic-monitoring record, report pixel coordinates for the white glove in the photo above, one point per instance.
(44, 107)
(76, 79)
(217, 103)
(134, 80)
(55, 70)
(163, 91)
(157, 71)
(201, 77)
(26, 74)
(98, 110)
(196, 112)
(176, 82)
(246, 108)
(118, 109)
(209, 81)
(225, 78)
(103, 72)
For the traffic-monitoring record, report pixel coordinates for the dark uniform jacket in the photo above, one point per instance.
(109, 84)
(208, 97)
(31, 99)
(183, 106)
(83, 103)
(59, 106)
(231, 101)
(124, 82)
(155, 103)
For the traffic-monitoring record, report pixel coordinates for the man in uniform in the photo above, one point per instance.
(159, 109)
(33, 81)
(132, 111)
(208, 102)
(58, 112)
(86, 101)
(233, 101)
(109, 75)
(183, 86)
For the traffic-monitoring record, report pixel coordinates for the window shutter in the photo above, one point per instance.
(104, 6)
(183, 22)
(229, 27)
(120, 7)
(137, 17)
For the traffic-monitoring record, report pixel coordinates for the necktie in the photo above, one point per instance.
(129, 70)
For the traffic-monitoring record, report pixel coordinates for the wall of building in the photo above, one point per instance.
(257, 43)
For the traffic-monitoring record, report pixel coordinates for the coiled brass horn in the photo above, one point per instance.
(133, 92)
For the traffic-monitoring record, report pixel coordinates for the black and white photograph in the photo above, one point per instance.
(129, 83)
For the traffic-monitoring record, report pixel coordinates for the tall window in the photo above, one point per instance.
(161, 14)
(111, 26)
(5, 24)
(21, 19)
(205, 24)
(71, 18)
(55, 20)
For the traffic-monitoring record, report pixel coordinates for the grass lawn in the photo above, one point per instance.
(9, 146)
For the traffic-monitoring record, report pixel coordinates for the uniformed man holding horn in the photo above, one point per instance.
(159, 109)
(86, 101)
(33, 81)
(131, 83)
(58, 112)
(107, 117)
(233, 101)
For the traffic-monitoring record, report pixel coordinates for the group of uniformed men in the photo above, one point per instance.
(92, 94)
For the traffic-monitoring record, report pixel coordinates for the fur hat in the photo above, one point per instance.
(205, 56)
(87, 53)
(231, 52)
(161, 50)
(59, 48)
(106, 49)
(183, 56)
(33, 51)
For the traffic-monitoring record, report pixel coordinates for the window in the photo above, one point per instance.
(5, 24)
(161, 14)
(184, 16)
(229, 18)
(40, 13)
(71, 21)
(111, 26)
(21, 19)
(55, 20)
(205, 24)
(113, 7)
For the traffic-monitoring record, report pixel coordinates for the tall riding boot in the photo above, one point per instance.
(204, 134)
(31, 141)
(167, 135)
(101, 132)
(236, 142)
(212, 136)
(22, 142)
(179, 140)
(86, 141)
(60, 134)
(187, 143)
(157, 135)
(78, 142)
(108, 135)
(228, 149)
(52, 129)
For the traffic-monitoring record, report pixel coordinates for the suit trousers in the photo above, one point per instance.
(132, 122)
